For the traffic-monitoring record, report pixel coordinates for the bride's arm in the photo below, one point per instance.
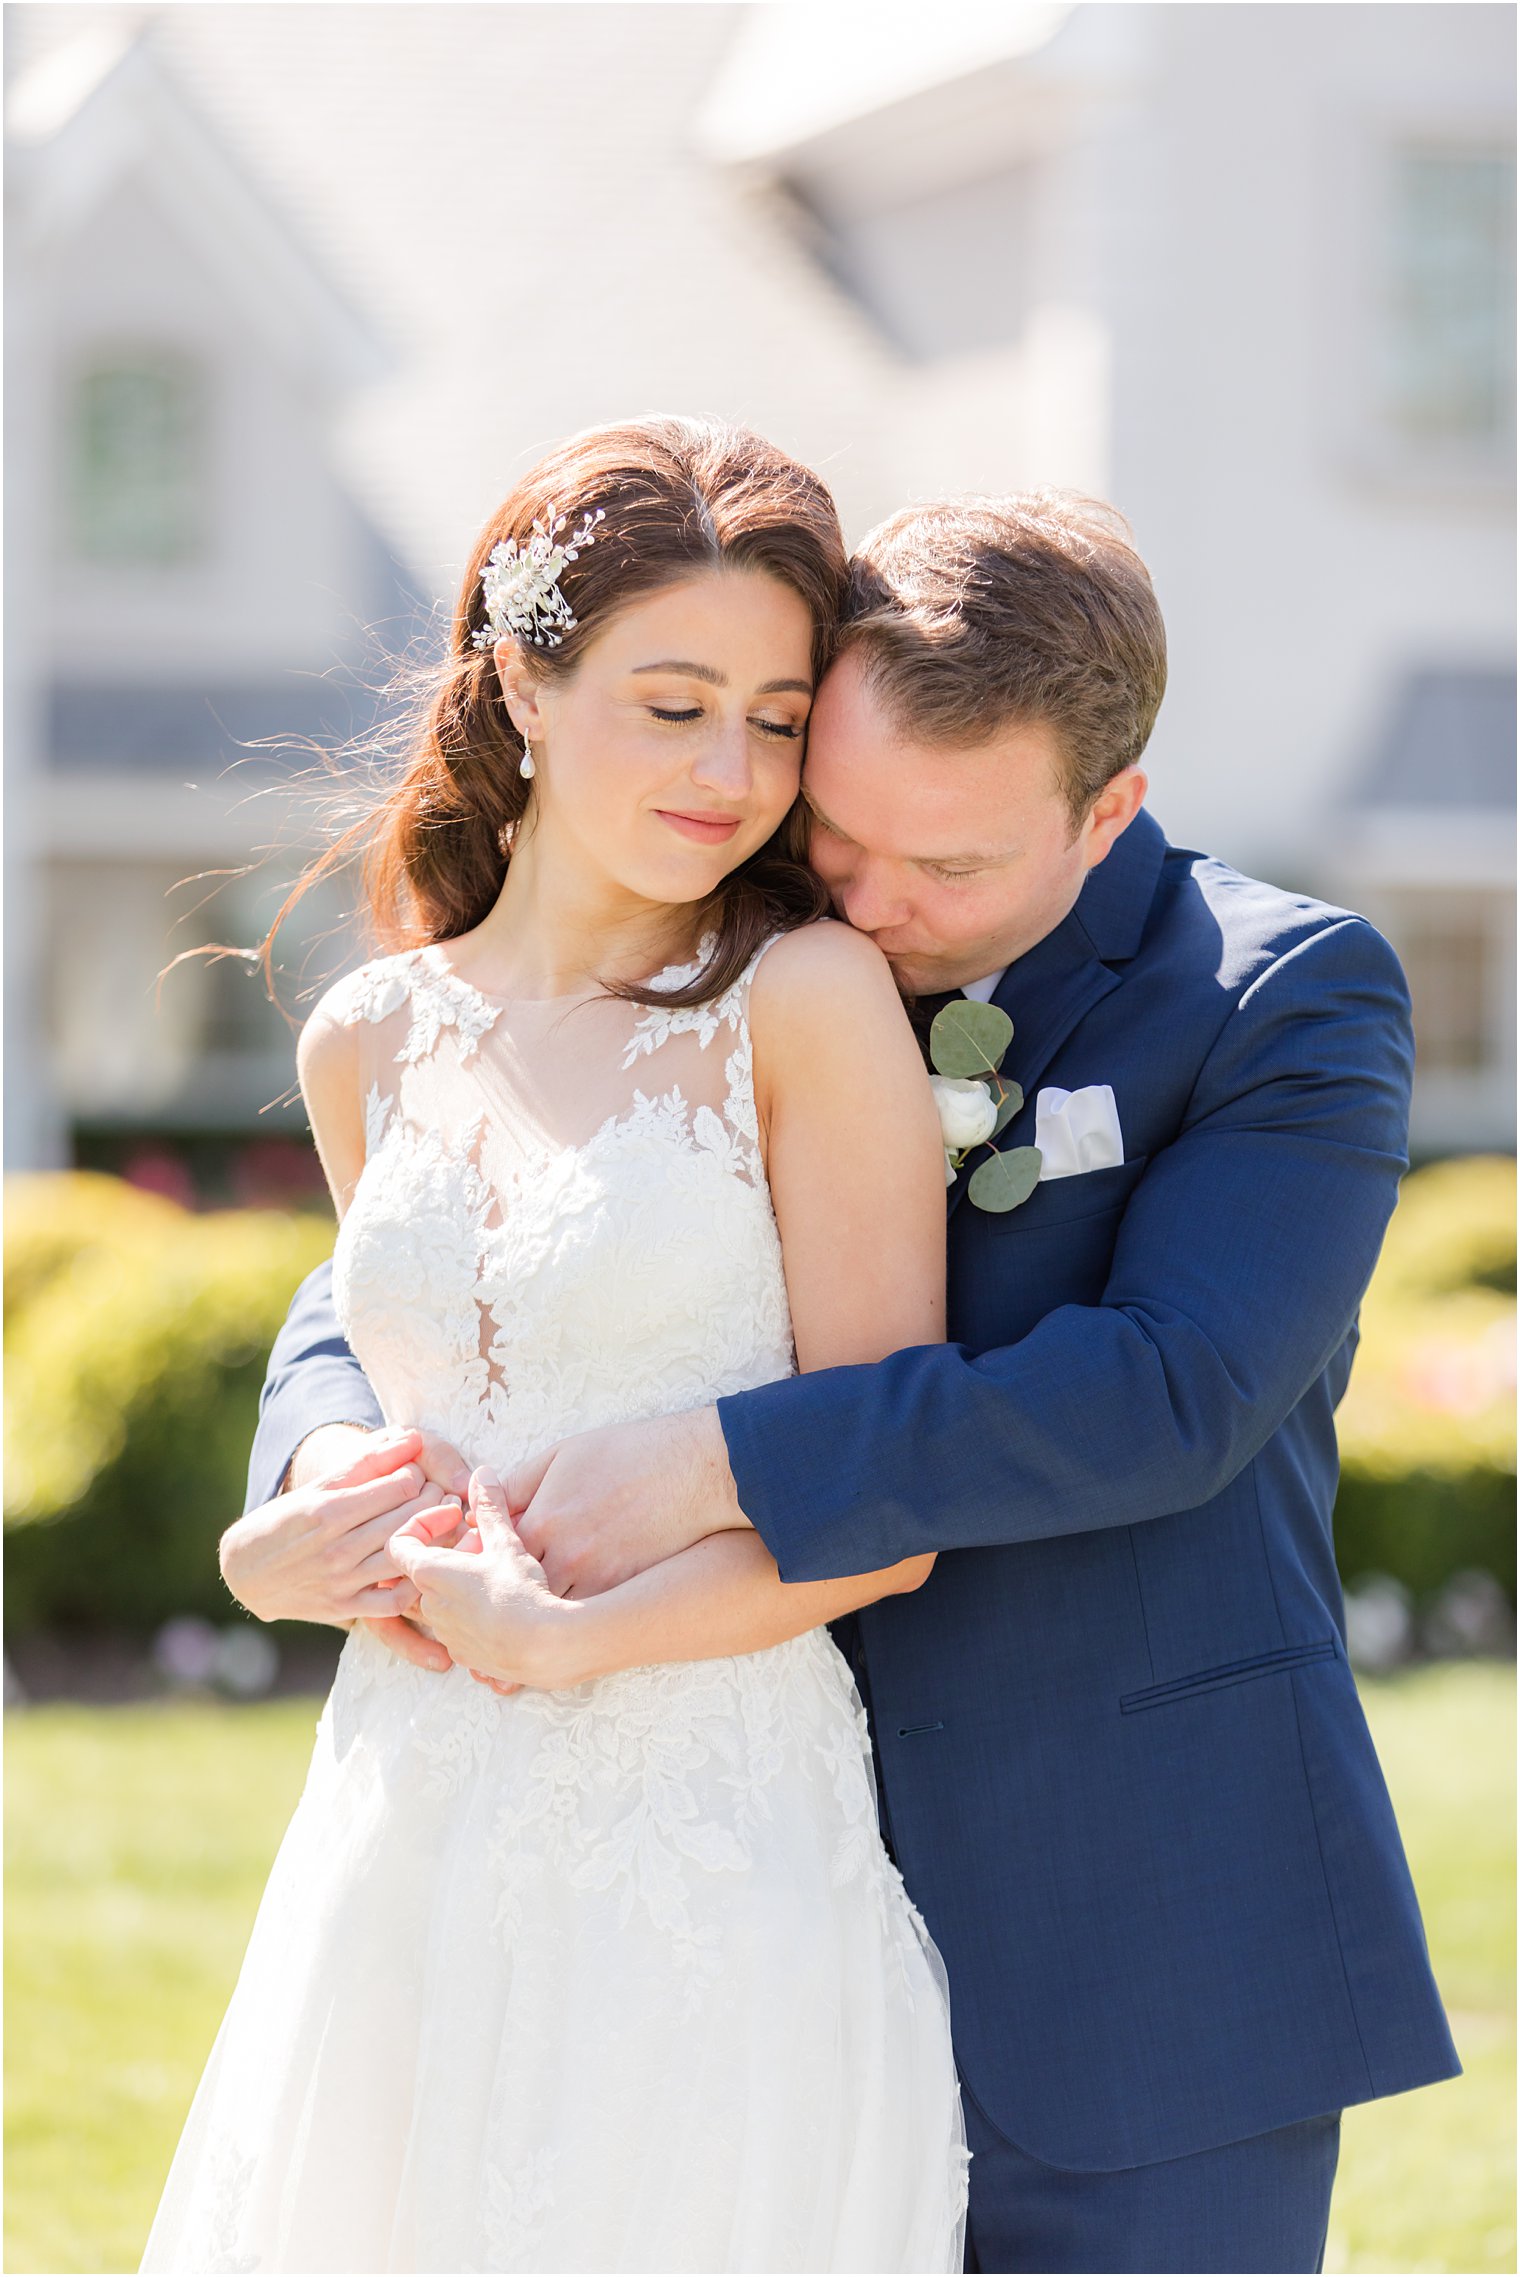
(317, 1551)
(856, 1169)
(327, 1064)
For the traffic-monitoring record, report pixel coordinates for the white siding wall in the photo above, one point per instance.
(1296, 586)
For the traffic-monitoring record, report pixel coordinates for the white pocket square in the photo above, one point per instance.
(1077, 1131)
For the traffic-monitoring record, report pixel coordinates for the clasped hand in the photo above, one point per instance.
(513, 1598)
(486, 1599)
(593, 1512)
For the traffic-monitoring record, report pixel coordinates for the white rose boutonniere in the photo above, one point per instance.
(967, 1116)
(966, 1047)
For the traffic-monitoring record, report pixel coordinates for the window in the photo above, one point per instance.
(238, 1016)
(1452, 948)
(138, 459)
(1448, 358)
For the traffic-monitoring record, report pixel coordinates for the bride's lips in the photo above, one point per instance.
(706, 829)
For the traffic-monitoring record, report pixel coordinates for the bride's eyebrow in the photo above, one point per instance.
(716, 679)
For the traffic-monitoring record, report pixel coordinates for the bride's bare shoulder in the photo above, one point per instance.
(825, 970)
(327, 1049)
(825, 994)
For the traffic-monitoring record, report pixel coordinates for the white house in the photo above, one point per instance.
(1249, 272)
(185, 570)
(296, 292)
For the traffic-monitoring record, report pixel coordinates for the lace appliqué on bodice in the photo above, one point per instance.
(436, 1000)
(508, 1294)
(738, 1133)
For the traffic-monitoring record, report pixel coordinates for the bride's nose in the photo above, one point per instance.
(723, 765)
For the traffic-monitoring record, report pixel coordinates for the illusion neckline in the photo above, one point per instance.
(431, 954)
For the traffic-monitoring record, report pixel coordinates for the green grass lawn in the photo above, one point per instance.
(1428, 2180)
(137, 1842)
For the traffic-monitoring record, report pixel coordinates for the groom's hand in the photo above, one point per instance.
(597, 1509)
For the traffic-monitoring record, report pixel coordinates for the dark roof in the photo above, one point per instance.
(1447, 741)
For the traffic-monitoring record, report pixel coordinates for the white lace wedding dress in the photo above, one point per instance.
(619, 1978)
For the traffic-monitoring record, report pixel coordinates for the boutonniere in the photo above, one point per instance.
(967, 1044)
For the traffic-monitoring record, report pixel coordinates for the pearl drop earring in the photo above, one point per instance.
(527, 766)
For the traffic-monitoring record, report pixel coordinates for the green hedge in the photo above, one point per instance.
(1427, 1427)
(136, 1335)
(136, 1340)
(53, 1224)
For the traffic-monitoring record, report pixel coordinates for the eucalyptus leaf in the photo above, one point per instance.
(1006, 1180)
(969, 1038)
(1012, 1100)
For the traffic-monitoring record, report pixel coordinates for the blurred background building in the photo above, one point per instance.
(295, 292)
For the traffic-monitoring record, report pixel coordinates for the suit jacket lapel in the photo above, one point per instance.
(1045, 994)
(1061, 978)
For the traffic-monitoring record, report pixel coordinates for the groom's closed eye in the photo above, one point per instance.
(946, 872)
(821, 822)
(954, 877)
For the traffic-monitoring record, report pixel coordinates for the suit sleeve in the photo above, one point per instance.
(1239, 1264)
(312, 1379)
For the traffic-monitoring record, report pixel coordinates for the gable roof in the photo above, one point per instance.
(83, 116)
(538, 242)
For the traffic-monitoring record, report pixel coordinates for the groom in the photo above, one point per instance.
(1122, 1762)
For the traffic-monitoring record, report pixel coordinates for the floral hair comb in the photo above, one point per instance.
(521, 584)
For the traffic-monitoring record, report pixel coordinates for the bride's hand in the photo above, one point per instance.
(453, 1529)
(443, 1526)
(486, 1600)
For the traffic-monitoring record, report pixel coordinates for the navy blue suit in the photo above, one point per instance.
(1121, 1758)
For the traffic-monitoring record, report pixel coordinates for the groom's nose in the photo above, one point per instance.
(871, 898)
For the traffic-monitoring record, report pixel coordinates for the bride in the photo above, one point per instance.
(592, 1958)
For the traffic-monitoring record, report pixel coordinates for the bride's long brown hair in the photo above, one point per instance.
(677, 496)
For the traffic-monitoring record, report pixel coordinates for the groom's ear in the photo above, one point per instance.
(1112, 812)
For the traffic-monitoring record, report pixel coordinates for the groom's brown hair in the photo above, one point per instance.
(972, 615)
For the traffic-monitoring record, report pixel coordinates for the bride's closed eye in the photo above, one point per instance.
(788, 730)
